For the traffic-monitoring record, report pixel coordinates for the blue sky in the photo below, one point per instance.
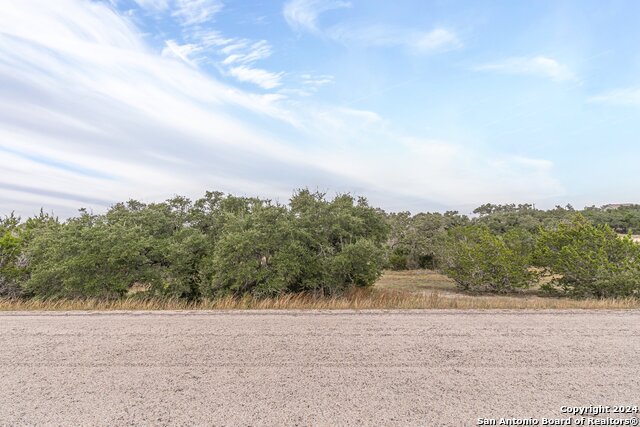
(418, 105)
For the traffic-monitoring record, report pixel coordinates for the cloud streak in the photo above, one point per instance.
(303, 16)
(539, 66)
(262, 78)
(438, 39)
(625, 97)
(91, 114)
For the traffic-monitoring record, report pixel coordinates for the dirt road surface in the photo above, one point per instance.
(427, 368)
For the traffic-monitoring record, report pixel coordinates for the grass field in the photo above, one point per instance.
(419, 289)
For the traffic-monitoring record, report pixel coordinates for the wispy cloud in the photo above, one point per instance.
(263, 78)
(438, 39)
(93, 110)
(234, 57)
(627, 96)
(540, 66)
(191, 12)
(246, 55)
(153, 5)
(183, 52)
(94, 97)
(303, 15)
(187, 12)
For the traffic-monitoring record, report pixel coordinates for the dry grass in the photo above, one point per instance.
(361, 300)
(418, 289)
(416, 281)
(427, 281)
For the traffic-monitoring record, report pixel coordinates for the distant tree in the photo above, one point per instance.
(587, 260)
(480, 261)
(12, 265)
(413, 240)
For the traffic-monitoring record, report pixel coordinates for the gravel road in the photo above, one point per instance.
(427, 368)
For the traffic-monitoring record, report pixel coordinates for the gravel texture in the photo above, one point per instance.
(427, 368)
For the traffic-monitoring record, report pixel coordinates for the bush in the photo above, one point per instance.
(357, 264)
(413, 240)
(86, 257)
(587, 260)
(12, 263)
(477, 260)
(398, 259)
(262, 253)
(314, 245)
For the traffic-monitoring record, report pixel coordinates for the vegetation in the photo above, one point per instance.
(479, 260)
(216, 246)
(360, 299)
(414, 240)
(587, 260)
(221, 246)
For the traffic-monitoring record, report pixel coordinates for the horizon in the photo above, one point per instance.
(417, 106)
(329, 196)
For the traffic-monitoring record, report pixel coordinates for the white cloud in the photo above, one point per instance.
(627, 96)
(153, 5)
(539, 164)
(312, 83)
(263, 78)
(183, 52)
(191, 12)
(210, 38)
(541, 66)
(246, 55)
(303, 14)
(87, 102)
(438, 39)
(204, 44)
(188, 12)
(91, 115)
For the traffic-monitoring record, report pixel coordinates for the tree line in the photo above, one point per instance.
(221, 245)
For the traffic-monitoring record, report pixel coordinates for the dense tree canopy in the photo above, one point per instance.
(217, 245)
(479, 260)
(226, 245)
(587, 260)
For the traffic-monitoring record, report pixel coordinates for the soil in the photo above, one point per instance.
(423, 368)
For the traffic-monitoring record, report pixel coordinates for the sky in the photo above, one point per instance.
(419, 105)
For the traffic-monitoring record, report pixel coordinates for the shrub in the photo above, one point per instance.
(313, 245)
(413, 240)
(478, 260)
(357, 264)
(12, 263)
(86, 257)
(587, 260)
(398, 259)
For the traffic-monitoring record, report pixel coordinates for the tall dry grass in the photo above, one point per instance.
(359, 300)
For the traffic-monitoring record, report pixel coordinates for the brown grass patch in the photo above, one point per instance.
(416, 281)
(401, 290)
(358, 300)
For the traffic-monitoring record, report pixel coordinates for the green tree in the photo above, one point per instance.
(12, 263)
(313, 245)
(86, 257)
(586, 260)
(413, 241)
(478, 260)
